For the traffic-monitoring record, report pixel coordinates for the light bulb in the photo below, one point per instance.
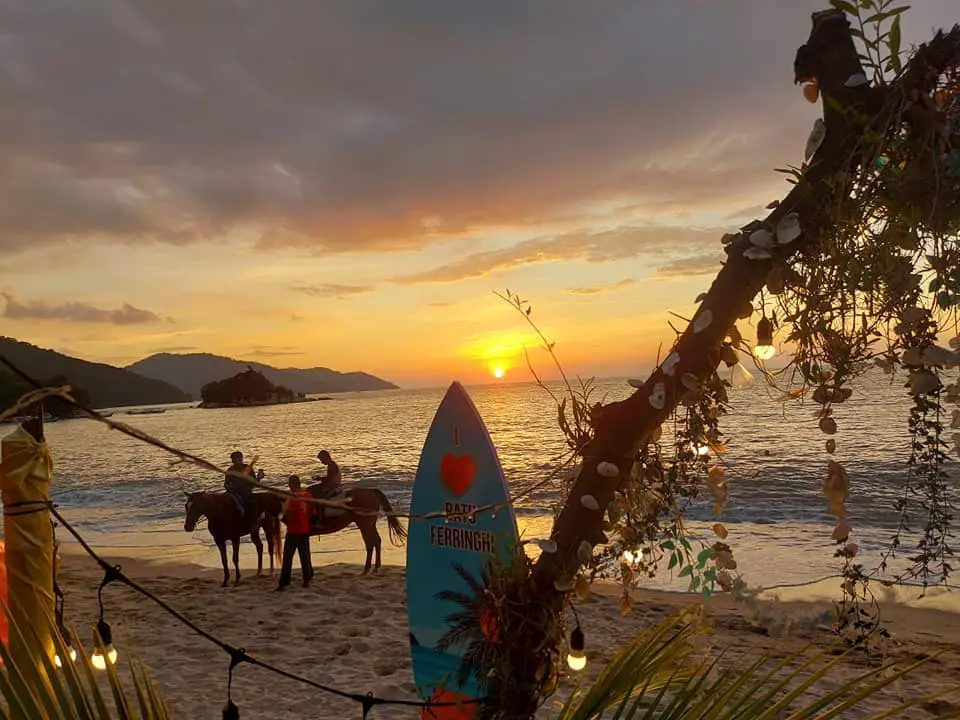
(764, 352)
(100, 662)
(628, 556)
(577, 661)
(73, 658)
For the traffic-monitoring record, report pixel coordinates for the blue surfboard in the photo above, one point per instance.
(459, 471)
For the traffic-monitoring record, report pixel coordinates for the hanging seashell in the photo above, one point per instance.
(669, 365)
(584, 552)
(608, 470)
(955, 422)
(582, 588)
(851, 550)
(955, 342)
(614, 512)
(658, 398)
(828, 425)
(702, 321)
(740, 377)
(831, 446)
(690, 382)
(856, 80)
(657, 434)
(842, 531)
(923, 382)
(564, 585)
(817, 135)
(788, 229)
(720, 531)
(811, 90)
(762, 238)
(589, 502)
(547, 546)
(756, 253)
(716, 474)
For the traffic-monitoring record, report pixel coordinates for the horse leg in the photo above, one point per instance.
(378, 544)
(222, 545)
(368, 542)
(258, 544)
(236, 559)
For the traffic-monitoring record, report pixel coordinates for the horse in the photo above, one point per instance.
(365, 507)
(225, 523)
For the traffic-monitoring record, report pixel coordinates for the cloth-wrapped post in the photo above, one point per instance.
(25, 473)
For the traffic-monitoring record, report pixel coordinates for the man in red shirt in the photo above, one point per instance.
(296, 513)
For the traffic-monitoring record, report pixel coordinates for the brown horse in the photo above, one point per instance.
(224, 522)
(365, 507)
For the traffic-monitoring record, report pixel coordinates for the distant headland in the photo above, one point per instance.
(248, 389)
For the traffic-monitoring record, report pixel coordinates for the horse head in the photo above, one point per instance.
(196, 508)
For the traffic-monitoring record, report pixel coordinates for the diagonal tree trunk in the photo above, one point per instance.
(622, 428)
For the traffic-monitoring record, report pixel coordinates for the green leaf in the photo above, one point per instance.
(686, 570)
(673, 562)
(667, 545)
(893, 44)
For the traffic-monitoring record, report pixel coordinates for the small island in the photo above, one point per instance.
(247, 389)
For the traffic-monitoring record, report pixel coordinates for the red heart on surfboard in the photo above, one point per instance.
(457, 472)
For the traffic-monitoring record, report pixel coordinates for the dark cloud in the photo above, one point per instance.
(332, 290)
(619, 244)
(707, 264)
(78, 312)
(373, 124)
(606, 287)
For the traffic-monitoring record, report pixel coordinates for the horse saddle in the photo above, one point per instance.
(325, 513)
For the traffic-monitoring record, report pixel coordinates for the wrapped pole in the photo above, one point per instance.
(25, 474)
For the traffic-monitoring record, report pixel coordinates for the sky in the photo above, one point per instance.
(347, 184)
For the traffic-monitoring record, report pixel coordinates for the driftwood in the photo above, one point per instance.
(621, 429)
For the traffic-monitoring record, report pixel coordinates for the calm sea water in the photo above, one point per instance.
(127, 496)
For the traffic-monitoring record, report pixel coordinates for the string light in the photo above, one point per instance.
(764, 349)
(576, 659)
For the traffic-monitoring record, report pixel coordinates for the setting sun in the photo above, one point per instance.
(499, 372)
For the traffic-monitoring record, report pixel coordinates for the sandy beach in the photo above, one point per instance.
(350, 632)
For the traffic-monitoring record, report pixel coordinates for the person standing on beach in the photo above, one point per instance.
(296, 513)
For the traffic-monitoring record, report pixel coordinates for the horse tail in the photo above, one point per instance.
(398, 533)
(275, 532)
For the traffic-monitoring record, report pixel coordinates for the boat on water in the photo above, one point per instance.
(147, 411)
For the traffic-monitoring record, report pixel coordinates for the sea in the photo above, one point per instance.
(127, 498)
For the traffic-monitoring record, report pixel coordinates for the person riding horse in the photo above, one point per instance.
(330, 484)
(239, 486)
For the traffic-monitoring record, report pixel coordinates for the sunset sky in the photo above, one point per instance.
(346, 183)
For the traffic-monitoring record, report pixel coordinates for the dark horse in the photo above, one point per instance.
(225, 523)
(365, 507)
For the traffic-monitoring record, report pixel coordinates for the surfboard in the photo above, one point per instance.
(458, 472)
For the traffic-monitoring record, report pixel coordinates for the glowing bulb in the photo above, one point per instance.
(628, 556)
(59, 663)
(764, 352)
(100, 662)
(577, 661)
(499, 372)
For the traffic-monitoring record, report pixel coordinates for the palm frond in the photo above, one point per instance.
(653, 676)
(38, 689)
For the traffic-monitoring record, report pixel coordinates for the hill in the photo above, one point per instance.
(192, 371)
(107, 386)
